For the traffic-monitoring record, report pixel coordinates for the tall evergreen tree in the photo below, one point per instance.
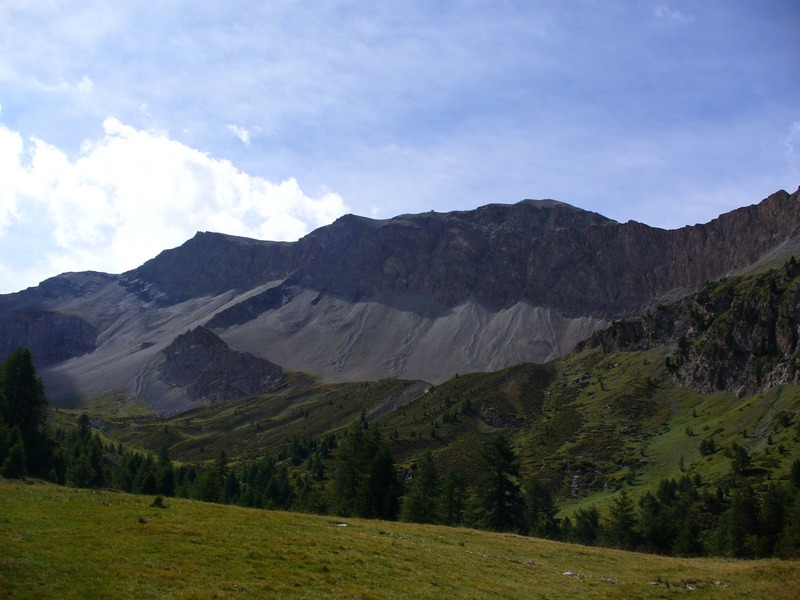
(540, 510)
(587, 528)
(365, 480)
(382, 492)
(421, 503)
(23, 404)
(788, 545)
(498, 503)
(13, 466)
(621, 523)
(452, 499)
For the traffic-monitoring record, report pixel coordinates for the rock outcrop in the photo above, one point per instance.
(198, 368)
(736, 334)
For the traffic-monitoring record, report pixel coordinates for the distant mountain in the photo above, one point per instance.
(417, 296)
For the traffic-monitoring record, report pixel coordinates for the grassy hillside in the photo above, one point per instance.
(246, 428)
(61, 542)
(586, 425)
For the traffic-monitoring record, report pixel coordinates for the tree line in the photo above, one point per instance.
(354, 474)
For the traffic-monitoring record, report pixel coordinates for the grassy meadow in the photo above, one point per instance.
(60, 542)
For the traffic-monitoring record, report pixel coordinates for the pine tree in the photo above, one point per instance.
(14, 465)
(420, 504)
(772, 515)
(656, 530)
(687, 540)
(23, 404)
(365, 480)
(586, 529)
(498, 503)
(382, 489)
(232, 489)
(788, 545)
(621, 524)
(540, 510)
(452, 499)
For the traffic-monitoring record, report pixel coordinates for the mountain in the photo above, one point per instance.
(416, 296)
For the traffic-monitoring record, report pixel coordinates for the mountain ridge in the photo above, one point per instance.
(415, 296)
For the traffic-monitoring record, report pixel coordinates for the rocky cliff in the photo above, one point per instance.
(545, 253)
(416, 296)
(737, 334)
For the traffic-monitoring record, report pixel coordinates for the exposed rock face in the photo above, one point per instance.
(544, 253)
(738, 334)
(417, 296)
(51, 337)
(199, 367)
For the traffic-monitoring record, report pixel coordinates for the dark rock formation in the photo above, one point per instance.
(203, 365)
(51, 337)
(545, 253)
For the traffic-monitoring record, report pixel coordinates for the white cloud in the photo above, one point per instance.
(84, 85)
(131, 194)
(240, 132)
(676, 16)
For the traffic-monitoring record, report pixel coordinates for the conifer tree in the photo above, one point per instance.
(420, 504)
(13, 467)
(621, 524)
(540, 510)
(365, 481)
(452, 499)
(23, 404)
(587, 528)
(788, 544)
(498, 503)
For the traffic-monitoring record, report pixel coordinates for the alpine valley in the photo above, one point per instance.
(608, 383)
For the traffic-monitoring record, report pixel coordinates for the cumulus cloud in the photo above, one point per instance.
(131, 194)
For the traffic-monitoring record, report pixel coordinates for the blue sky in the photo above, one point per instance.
(127, 126)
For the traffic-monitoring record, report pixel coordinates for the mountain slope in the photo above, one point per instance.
(417, 296)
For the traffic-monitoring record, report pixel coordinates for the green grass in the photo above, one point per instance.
(61, 542)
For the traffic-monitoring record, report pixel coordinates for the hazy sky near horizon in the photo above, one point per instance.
(127, 126)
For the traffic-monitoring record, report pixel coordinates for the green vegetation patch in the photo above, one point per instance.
(61, 542)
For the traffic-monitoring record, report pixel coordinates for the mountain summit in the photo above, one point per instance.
(416, 296)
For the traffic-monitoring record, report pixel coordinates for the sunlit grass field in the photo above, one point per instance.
(59, 542)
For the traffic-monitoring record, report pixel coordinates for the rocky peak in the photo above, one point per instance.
(206, 369)
(207, 264)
